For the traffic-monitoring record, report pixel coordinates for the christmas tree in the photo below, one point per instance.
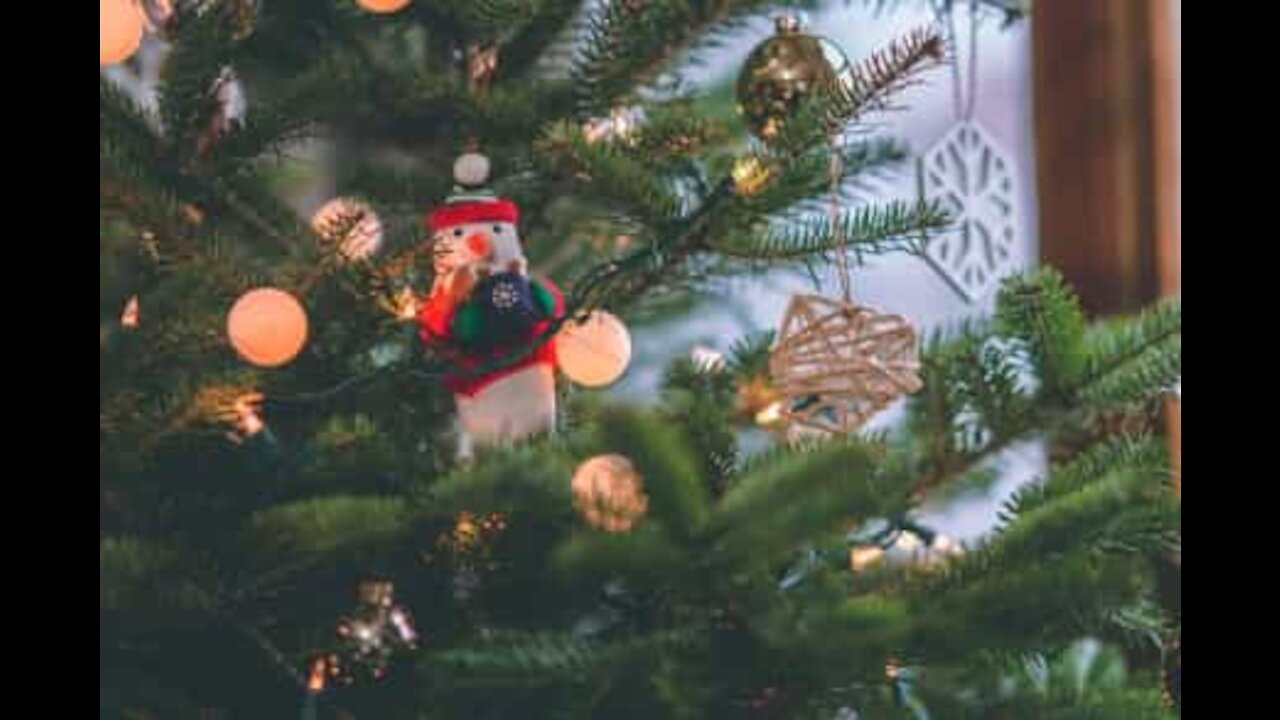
(357, 465)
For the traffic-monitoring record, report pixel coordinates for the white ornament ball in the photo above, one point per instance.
(351, 225)
(609, 493)
(120, 25)
(595, 352)
(471, 170)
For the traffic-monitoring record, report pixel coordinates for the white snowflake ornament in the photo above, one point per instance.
(971, 178)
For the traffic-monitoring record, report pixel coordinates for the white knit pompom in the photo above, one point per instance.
(471, 169)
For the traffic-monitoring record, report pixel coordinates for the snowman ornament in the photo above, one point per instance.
(488, 317)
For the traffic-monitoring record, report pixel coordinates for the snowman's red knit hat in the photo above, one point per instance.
(470, 203)
(472, 209)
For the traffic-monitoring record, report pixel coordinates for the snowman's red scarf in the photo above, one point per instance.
(434, 323)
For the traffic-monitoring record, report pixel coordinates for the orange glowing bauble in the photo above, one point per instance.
(382, 6)
(267, 327)
(595, 352)
(119, 30)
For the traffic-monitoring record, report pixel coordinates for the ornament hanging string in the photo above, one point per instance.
(964, 90)
(835, 167)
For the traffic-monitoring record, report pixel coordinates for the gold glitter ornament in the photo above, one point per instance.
(609, 493)
(782, 71)
(750, 176)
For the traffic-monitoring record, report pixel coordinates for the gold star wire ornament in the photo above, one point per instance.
(835, 364)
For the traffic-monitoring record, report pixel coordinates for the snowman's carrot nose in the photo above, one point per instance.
(479, 245)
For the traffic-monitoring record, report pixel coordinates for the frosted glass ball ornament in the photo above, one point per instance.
(382, 7)
(267, 327)
(350, 225)
(595, 352)
(120, 24)
(609, 493)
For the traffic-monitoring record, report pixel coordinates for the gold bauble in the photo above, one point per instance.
(609, 493)
(782, 71)
(750, 176)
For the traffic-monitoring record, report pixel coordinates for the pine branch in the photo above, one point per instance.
(1082, 681)
(981, 604)
(875, 82)
(968, 411)
(800, 496)
(324, 525)
(1145, 457)
(801, 183)
(1040, 311)
(888, 72)
(644, 558)
(1115, 512)
(629, 44)
(1134, 359)
(410, 187)
(246, 199)
(749, 355)
(678, 493)
(1114, 342)
(144, 580)
(529, 480)
(518, 110)
(521, 53)
(699, 401)
(872, 230)
(183, 210)
(1117, 705)
(272, 126)
(127, 123)
(606, 173)
(188, 93)
(673, 135)
(503, 657)
(490, 18)
(525, 658)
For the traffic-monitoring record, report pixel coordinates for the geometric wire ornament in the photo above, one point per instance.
(968, 175)
(836, 364)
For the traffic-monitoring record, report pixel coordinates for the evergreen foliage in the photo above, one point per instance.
(225, 564)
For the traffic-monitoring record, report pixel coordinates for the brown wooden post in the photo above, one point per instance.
(1106, 153)
(1166, 55)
